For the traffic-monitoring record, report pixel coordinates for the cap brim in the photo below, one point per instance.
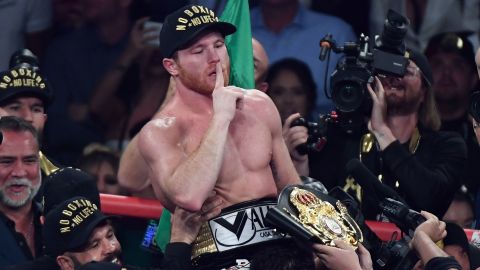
(26, 92)
(78, 243)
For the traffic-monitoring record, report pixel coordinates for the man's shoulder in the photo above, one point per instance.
(445, 140)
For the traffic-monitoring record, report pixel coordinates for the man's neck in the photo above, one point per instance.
(450, 110)
(402, 126)
(112, 31)
(194, 101)
(277, 17)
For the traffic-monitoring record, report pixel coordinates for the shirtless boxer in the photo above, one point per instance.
(211, 137)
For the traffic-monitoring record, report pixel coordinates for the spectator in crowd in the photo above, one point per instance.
(287, 29)
(461, 210)
(476, 126)
(28, 98)
(76, 232)
(126, 98)
(427, 18)
(404, 147)
(74, 64)
(20, 182)
(424, 239)
(24, 24)
(451, 57)
(456, 245)
(291, 87)
(61, 185)
(102, 163)
(260, 64)
(67, 16)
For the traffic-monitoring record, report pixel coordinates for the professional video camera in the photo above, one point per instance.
(354, 71)
(350, 78)
(397, 255)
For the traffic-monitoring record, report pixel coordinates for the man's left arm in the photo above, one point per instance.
(283, 170)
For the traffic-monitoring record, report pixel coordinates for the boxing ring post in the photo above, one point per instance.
(152, 209)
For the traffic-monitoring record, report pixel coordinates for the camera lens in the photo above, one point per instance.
(348, 95)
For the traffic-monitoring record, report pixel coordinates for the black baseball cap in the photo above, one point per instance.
(69, 225)
(456, 237)
(24, 81)
(185, 24)
(422, 63)
(66, 183)
(454, 42)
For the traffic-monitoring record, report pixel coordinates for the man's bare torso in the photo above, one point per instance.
(245, 173)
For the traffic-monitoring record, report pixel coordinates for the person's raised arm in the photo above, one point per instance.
(104, 103)
(186, 179)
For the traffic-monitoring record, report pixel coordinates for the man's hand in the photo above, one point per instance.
(377, 124)
(432, 227)
(226, 99)
(341, 257)
(293, 137)
(186, 225)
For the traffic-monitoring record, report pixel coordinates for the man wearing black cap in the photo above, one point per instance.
(24, 93)
(456, 244)
(403, 148)
(76, 232)
(452, 59)
(211, 136)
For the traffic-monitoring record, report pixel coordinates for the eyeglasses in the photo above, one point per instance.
(412, 71)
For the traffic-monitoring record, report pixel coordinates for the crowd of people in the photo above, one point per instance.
(128, 115)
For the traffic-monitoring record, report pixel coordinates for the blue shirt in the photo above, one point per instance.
(300, 39)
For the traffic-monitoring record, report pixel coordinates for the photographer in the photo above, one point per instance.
(404, 148)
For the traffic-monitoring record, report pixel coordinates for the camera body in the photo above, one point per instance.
(317, 134)
(397, 255)
(354, 71)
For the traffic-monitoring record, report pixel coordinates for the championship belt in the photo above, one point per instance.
(310, 215)
(236, 228)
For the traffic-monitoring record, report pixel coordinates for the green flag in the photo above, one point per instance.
(239, 44)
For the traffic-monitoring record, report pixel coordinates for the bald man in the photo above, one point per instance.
(260, 65)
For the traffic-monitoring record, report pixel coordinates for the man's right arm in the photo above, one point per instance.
(186, 179)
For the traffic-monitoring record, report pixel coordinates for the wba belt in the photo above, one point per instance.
(238, 226)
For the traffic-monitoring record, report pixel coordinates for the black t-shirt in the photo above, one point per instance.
(427, 179)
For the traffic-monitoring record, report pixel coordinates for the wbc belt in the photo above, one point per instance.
(238, 226)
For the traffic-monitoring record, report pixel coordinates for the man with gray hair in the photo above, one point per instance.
(20, 181)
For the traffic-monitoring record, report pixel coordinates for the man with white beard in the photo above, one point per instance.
(20, 181)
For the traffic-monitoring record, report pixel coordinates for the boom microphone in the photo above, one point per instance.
(370, 184)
